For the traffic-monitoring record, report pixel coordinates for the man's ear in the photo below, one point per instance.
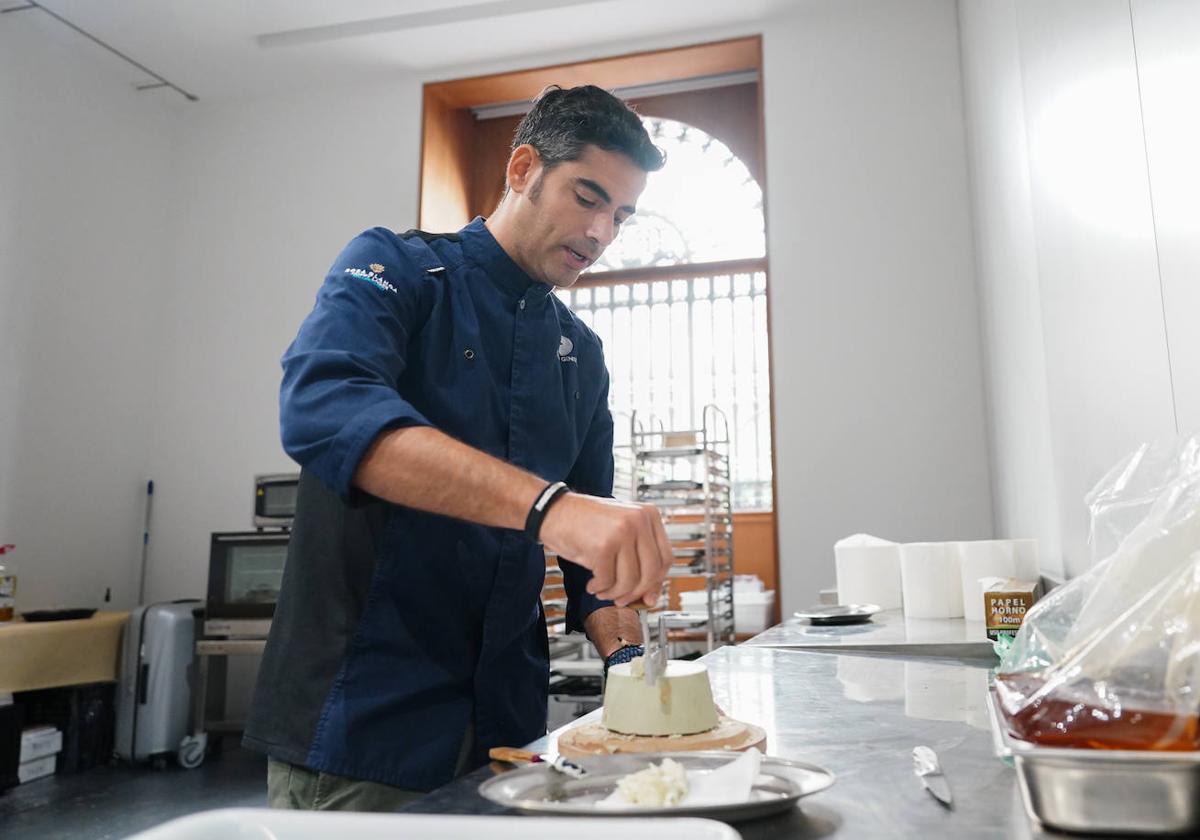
(524, 164)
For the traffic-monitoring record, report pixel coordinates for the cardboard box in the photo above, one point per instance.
(40, 741)
(1005, 605)
(36, 769)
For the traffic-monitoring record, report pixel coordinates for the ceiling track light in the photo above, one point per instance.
(159, 82)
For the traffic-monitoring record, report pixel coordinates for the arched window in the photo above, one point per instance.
(703, 206)
(679, 300)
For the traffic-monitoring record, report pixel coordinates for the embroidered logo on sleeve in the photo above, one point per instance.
(372, 276)
(564, 350)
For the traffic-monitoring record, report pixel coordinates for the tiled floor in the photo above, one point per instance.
(108, 803)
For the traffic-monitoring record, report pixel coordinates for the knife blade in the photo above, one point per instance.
(654, 653)
(516, 756)
(929, 771)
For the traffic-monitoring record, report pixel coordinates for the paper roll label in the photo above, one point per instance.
(1005, 605)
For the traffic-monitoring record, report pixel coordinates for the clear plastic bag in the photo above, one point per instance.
(1111, 659)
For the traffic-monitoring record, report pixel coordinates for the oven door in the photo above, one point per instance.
(245, 572)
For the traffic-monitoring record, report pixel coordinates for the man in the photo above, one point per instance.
(441, 401)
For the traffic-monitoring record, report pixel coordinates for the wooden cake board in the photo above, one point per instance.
(594, 739)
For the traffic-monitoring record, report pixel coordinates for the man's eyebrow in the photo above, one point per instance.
(603, 194)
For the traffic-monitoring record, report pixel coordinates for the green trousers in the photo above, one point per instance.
(297, 787)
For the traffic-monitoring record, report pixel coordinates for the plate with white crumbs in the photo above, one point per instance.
(539, 789)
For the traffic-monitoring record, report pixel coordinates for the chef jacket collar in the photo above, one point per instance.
(482, 249)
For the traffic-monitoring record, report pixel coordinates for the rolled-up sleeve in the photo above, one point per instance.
(340, 374)
(591, 474)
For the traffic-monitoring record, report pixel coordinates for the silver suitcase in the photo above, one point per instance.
(154, 696)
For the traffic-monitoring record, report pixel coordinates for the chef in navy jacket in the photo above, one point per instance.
(450, 417)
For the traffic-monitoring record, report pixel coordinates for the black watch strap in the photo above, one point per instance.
(551, 494)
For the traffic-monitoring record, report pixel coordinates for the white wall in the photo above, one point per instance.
(84, 197)
(878, 384)
(877, 376)
(1168, 58)
(1022, 464)
(1113, 216)
(273, 189)
(878, 395)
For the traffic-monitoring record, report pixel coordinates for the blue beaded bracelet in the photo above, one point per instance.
(625, 654)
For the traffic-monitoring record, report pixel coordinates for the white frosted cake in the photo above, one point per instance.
(679, 703)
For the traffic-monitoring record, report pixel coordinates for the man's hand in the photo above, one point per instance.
(623, 544)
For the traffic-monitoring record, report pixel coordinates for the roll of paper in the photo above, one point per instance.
(1026, 554)
(931, 580)
(868, 571)
(981, 559)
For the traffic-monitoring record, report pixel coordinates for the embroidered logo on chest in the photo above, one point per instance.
(565, 347)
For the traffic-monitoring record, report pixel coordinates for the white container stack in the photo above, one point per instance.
(40, 746)
(752, 605)
(983, 560)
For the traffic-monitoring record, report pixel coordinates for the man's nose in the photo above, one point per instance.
(602, 230)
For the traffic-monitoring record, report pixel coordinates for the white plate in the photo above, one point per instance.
(267, 824)
(538, 789)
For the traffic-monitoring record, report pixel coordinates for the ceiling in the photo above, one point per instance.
(232, 49)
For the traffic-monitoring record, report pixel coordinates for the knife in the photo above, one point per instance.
(654, 656)
(925, 765)
(515, 756)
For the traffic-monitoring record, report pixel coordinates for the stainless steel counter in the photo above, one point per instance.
(859, 716)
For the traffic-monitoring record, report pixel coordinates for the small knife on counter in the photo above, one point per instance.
(515, 756)
(929, 771)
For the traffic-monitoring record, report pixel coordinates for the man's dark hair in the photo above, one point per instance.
(563, 121)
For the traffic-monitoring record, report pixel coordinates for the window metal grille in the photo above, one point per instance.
(675, 345)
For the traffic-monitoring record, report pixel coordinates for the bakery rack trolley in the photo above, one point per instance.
(686, 474)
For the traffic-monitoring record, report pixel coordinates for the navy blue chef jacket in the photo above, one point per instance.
(395, 628)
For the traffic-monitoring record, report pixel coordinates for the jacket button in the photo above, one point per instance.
(468, 354)
(522, 303)
(576, 395)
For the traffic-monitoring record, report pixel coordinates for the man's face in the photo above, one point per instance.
(571, 213)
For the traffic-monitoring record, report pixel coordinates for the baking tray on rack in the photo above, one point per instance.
(672, 486)
(675, 501)
(678, 452)
(1102, 791)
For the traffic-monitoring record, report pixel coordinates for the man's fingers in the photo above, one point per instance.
(626, 576)
(664, 542)
(650, 569)
(602, 576)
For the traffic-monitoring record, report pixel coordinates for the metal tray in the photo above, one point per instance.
(670, 486)
(1103, 791)
(538, 789)
(838, 614)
